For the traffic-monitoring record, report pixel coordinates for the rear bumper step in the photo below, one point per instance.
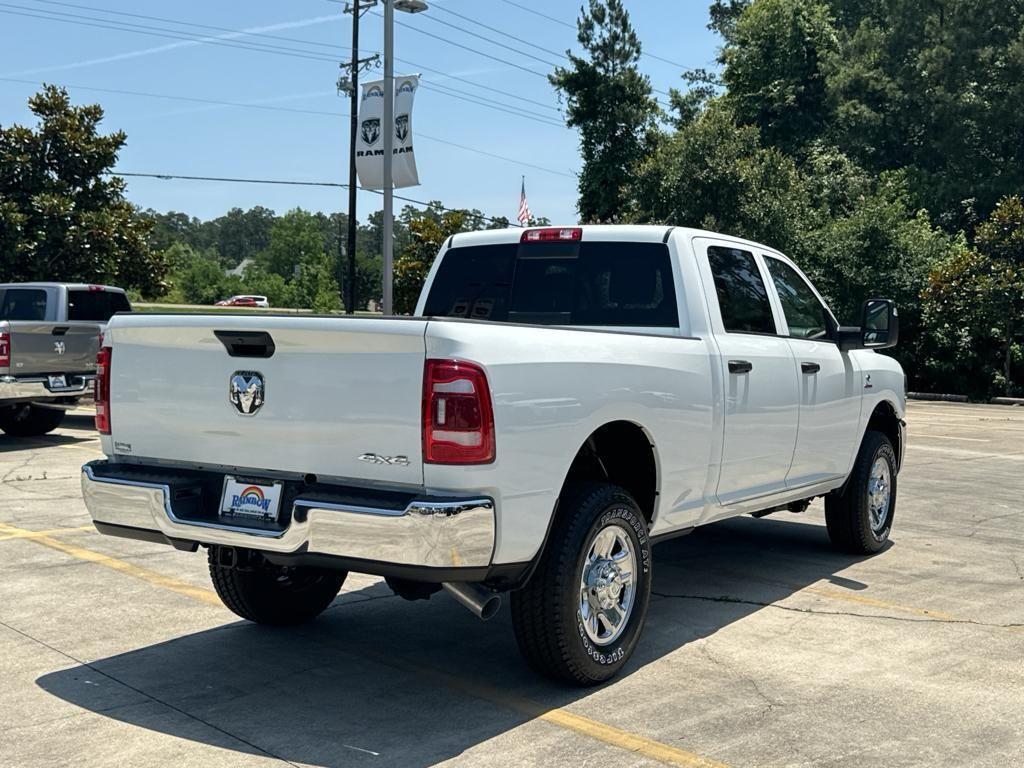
(38, 387)
(421, 531)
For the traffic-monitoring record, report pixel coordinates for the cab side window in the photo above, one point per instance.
(742, 296)
(805, 314)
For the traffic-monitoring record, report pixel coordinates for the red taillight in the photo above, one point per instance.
(551, 234)
(458, 421)
(102, 391)
(5, 349)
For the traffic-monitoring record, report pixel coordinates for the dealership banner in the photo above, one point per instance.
(370, 137)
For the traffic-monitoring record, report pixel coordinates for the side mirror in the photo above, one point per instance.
(879, 328)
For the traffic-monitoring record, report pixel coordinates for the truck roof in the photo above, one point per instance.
(70, 286)
(605, 232)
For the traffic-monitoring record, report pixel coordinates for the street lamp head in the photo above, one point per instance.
(410, 6)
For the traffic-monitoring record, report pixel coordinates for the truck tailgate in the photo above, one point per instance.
(45, 348)
(335, 389)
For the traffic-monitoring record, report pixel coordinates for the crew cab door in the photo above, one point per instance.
(757, 371)
(830, 386)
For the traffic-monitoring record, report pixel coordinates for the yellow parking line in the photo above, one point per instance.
(874, 603)
(595, 729)
(152, 577)
(609, 734)
(39, 534)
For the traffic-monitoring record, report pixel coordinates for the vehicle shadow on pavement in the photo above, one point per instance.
(84, 427)
(380, 680)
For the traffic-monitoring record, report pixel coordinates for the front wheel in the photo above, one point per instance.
(30, 420)
(859, 518)
(265, 593)
(579, 616)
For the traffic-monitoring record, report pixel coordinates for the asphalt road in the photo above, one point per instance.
(762, 646)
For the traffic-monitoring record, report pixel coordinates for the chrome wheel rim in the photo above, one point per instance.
(607, 586)
(879, 494)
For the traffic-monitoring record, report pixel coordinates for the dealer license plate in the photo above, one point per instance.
(58, 382)
(254, 501)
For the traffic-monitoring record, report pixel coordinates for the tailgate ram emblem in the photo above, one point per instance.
(59, 347)
(246, 391)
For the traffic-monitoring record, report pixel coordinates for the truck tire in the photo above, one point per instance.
(859, 515)
(272, 594)
(579, 616)
(30, 420)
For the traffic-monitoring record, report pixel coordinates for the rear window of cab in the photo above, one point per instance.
(557, 283)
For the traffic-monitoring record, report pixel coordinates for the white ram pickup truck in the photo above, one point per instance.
(563, 399)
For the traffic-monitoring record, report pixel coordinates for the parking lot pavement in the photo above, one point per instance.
(762, 647)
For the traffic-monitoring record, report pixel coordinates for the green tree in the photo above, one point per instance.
(775, 70)
(200, 279)
(610, 102)
(241, 235)
(61, 216)
(413, 264)
(714, 174)
(880, 247)
(975, 302)
(316, 286)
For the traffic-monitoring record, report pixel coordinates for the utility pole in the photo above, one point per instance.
(350, 86)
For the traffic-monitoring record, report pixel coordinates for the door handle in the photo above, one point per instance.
(810, 367)
(740, 366)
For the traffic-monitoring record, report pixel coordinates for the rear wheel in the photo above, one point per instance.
(579, 617)
(265, 593)
(859, 519)
(30, 420)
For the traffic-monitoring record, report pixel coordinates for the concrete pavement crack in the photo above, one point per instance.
(813, 612)
(149, 696)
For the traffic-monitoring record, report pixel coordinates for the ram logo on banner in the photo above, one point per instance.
(370, 138)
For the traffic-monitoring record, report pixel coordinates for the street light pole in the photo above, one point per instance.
(407, 6)
(350, 293)
(389, 141)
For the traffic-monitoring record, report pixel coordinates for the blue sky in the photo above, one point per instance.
(190, 138)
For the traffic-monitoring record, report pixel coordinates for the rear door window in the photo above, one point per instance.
(742, 297)
(590, 283)
(23, 304)
(95, 306)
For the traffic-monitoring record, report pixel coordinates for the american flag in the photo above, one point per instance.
(524, 207)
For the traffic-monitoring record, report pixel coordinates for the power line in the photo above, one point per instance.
(167, 34)
(296, 183)
(191, 24)
(497, 58)
(538, 13)
(76, 19)
(490, 103)
(489, 40)
(499, 31)
(272, 108)
(471, 50)
(330, 46)
(563, 23)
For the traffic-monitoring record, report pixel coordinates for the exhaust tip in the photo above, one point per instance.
(481, 601)
(490, 607)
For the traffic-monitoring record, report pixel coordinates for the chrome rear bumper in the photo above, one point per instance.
(38, 388)
(428, 532)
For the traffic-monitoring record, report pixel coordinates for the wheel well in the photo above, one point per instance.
(620, 452)
(884, 419)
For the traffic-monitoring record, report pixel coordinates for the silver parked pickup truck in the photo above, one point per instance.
(49, 336)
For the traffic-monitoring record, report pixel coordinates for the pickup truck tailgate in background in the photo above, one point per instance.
(44, 348)
(337, 393)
